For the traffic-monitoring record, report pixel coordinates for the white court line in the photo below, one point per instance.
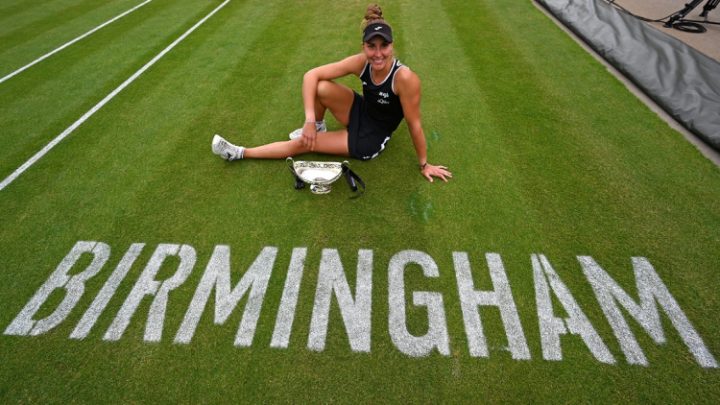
(51, 53)
(104, 101)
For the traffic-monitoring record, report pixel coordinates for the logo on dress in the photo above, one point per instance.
(384, 96)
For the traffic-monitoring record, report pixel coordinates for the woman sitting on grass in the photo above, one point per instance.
(391, 92)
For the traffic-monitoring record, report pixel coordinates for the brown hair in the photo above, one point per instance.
(373, 15)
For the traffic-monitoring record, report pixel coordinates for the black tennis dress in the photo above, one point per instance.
(374, 115)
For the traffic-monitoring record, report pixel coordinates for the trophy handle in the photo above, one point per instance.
(353, 179)
(299, 184)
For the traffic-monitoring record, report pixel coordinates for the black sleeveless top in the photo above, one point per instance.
(381, 102)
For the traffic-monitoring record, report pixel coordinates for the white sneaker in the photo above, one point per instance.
(319, 127)
(226, 150)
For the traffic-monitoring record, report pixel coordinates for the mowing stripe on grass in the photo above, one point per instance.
(60, 48)
(104, 101)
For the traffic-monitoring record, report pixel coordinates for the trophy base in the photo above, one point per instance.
(320, 189)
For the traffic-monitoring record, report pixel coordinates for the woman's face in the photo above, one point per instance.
(378, 52)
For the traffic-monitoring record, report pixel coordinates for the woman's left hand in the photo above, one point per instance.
(309, 134)
(441, 172)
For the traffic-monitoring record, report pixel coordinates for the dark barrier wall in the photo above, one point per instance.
(683, 81)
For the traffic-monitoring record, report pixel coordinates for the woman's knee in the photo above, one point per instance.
(325, 88)
(297, 147)
(337, 98)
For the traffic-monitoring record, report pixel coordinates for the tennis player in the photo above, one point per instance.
(391, 92)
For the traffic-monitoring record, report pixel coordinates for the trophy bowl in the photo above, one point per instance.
(320, 175)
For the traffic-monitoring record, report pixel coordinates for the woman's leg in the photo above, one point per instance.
(330, 96)
(330, 143)
(336, 98)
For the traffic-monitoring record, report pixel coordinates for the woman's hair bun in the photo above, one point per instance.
(373, 14)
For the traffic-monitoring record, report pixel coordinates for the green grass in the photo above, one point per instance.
(550, 154)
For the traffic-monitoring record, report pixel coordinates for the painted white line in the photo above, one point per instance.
(56, 50)
(104, 101)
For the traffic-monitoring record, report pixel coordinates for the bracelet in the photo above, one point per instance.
(422, 166)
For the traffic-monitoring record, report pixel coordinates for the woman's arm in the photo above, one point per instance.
(350, 65)
(407, 87)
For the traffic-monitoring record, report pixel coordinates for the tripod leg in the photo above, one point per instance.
(682, 13)
(709, 6)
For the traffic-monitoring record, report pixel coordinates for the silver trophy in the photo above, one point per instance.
(320, 175)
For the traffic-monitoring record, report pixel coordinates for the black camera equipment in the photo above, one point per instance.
(711, 4)
(678, 21)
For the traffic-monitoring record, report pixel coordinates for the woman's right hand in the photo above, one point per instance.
(430, 171)
(309, 133)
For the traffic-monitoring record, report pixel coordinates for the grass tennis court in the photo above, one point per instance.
(552, 158)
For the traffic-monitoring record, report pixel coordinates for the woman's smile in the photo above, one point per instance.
(378, 52)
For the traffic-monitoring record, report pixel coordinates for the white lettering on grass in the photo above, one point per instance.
(288, 302)
(437, 335)
(101, 300)
(74, 286)
(355, 313)
(551, 327)
(88, 259)
(147, 285)
(501, 297)
(217, 276)
(652, 291)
